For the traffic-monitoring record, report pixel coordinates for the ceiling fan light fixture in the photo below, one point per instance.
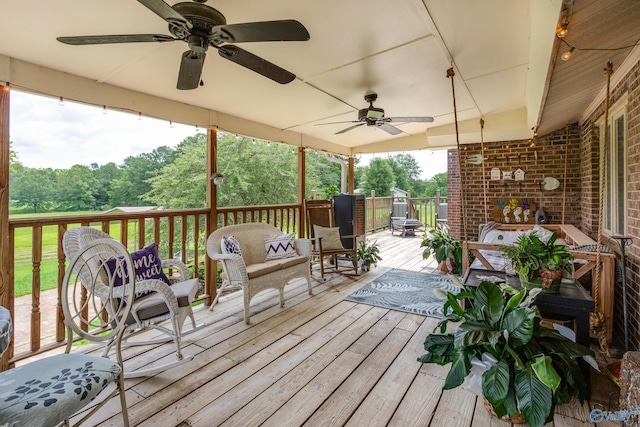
(375, 113)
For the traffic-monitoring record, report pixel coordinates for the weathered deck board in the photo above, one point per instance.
(320, 360)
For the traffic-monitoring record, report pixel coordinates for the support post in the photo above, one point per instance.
(211, 267)
(6, 250)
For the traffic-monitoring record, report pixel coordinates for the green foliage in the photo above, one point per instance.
(256, 172)
(530, 254)
(129, 189)
(435, 183)
(33, 188)
(182, 183)
(530, 358)
(379, 178)
(321, 173)
(330, 191)
(105, 175)
(369, 254)
(76, 188)
(444, 247)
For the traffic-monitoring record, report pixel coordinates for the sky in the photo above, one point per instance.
(48, 135)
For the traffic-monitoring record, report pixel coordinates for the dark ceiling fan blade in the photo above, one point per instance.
(166, 12)
(190, 70)
(336, 123)
(124, 38)
(255, 63)
(388, 128)
(349, 128)
(266, 31)
(409, 119)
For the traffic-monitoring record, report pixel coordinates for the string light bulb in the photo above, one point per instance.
(104, 109)
(567, 55)
(61, 102)
(170, 124)
(139, 115)
(562, 30)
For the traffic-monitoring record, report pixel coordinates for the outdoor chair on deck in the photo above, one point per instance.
(327, 242)
(157, 298)
(49, 391)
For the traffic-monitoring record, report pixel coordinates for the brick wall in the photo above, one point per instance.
(540, 158)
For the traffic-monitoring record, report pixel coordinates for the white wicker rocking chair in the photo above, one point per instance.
(163, 302)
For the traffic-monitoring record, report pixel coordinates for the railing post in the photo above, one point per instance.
(302, 184)
(373, 209)
(437, 208)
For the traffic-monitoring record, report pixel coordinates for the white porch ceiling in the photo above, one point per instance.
(501, 51)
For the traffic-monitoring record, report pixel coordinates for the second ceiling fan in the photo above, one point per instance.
(373, 116)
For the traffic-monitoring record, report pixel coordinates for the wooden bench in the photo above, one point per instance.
(573, 237)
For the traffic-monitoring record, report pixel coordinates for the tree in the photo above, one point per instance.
(321, 173)
(33, 188)
(133, 184)
(105, 176)
(256, 172)
(77, 188)
(400, 177)
(182, 184)
(379, 177)
(436, 182)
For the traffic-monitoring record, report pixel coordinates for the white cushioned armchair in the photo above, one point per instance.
(252, 270)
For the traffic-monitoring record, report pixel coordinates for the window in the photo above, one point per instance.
(615, 191)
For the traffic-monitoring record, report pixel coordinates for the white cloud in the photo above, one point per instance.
(47, 135)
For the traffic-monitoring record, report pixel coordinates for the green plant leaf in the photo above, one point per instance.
(495, 383)
(460, 368)
(519, 323)
(491, 300)
(455, 306)
(515, 300)
(543, 368)
(469, 334)
(494, 338)
(439, 349)
(535, 400)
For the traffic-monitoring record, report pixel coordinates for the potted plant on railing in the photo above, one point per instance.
(446, 249)
(525, 370)
(368, 255)
(539, 264)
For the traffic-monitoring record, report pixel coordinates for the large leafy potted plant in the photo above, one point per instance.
(539, 264)
(446, 249)
(534, 369)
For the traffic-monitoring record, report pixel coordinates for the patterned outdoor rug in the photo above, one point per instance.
(408, 291)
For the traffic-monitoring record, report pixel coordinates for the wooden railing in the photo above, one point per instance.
(288, 218)
(179, 234)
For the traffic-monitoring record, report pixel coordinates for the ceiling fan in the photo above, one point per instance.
(201, 26)
(372, 116)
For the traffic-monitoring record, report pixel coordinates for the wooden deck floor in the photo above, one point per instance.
(319, 361)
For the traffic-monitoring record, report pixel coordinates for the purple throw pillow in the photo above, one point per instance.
(146, 264)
